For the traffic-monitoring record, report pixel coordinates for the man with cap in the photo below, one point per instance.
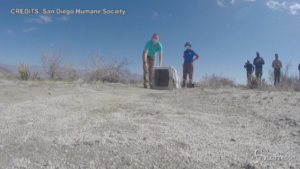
(188, 67)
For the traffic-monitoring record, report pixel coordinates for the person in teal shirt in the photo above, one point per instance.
(149, 57)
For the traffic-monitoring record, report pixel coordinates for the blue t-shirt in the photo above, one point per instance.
(153, 49)
(189, 55)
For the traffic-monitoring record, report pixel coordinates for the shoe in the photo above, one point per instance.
(191, 85)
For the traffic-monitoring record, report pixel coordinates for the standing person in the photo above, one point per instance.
(249, 70)
(151, 48)
(299, 70)
(188, 66)
(258, 62)
(276, 64)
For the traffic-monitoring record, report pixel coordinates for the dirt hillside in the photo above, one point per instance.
(76, 125)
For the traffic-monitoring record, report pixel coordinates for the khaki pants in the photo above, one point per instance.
(149, 71)
(249, 78)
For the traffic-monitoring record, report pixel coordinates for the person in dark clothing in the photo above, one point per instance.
(299, 70)
(258, 62)
(249, 69)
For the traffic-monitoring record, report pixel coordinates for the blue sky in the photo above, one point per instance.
(225, 33)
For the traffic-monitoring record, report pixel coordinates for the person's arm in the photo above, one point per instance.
(254, 61)
(299, 67)
(263, 62)
(160, 58)
(160, 55)
(280, 64)
(147, 47)
(273, 64)
(145, 56)
(197, 56)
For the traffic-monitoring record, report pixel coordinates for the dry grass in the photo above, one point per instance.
(216, 81)
(56, 64)
(288, 82)
(115, 71)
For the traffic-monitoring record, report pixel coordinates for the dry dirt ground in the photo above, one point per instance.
(65, 125)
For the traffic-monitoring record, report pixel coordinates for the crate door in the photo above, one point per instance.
(162, 77)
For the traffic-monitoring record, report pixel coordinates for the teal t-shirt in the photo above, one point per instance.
(153, 49)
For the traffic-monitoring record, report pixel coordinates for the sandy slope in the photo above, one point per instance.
(48, 125)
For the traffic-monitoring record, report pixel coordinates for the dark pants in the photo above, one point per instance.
(276, 76)
(258, 73)
(188, 69)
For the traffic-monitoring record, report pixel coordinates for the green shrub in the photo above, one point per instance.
(24, 71)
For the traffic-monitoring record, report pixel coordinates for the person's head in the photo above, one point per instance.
(187, 45)
(276, 56)
(155, 38)
(257, 54)
(248, 62)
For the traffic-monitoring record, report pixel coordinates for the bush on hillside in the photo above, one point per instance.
(73, 75)
(55, 64)
(24, 71)
(113, 72)
(35, 75)
(287, 82)
(216, 81)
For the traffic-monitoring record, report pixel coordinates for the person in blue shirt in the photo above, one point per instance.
(188, 67)
(151, 48)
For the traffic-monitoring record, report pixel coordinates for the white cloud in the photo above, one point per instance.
(276, 5)
(29, 29)
(155, 16)
(294, 8)
(9, 32)
(41, 19)
(64, 18)
(221, 3)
